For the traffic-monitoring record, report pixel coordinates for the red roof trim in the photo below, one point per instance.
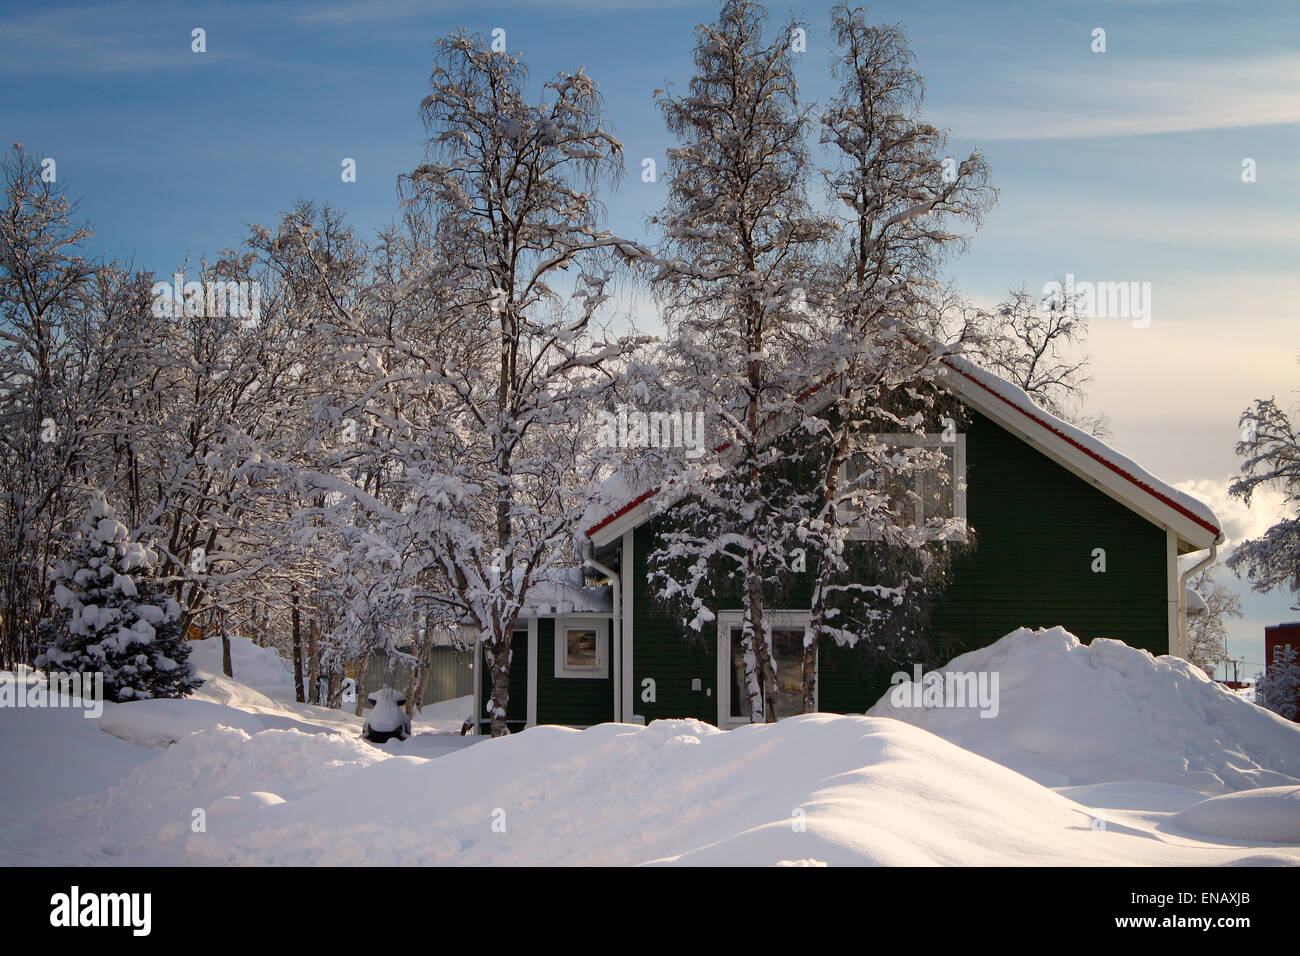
(811, 390)
(1025, 412)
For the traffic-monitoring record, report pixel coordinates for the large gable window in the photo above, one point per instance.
(920, 478)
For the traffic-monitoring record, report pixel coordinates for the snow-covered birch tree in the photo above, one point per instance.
(477, 340)
(1270, 449)
(902, 205)
(740, 251)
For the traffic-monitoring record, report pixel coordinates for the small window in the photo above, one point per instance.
(581, 647)
(926, 482)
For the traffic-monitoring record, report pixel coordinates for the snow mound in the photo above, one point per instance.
(148, 817)
(1269, 815)
(252, 665)
(52, 754)
(162, 722)
(1071, 714)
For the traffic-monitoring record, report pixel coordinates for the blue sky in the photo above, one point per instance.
(1115, 166)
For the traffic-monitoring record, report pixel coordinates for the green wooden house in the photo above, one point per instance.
(1041, 497)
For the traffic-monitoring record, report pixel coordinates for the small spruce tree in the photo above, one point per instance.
(111, 617)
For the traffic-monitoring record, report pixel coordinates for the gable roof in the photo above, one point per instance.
(1011, 408)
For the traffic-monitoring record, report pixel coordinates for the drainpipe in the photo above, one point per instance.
(1182, 592)
(616, 632)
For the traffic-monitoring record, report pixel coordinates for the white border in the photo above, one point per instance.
(600, 622)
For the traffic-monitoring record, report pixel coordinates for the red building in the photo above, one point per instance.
(1278, 636)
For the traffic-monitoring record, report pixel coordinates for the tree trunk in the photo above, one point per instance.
(361, 676)
(313, 663)
(499, 663)
(226, 666)
(420, 673)
(297, 651)
(825, 568)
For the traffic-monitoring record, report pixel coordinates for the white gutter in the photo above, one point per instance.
(616, 637)
(1182, 593)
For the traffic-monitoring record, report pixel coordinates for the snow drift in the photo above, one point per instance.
(812, 789)
(260, 667)
(1138, 736)
(1074, 714)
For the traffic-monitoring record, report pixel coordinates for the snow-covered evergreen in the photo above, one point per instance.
(112, 618)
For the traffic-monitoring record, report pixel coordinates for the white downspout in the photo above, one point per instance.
(616, 637)
(1182, 593)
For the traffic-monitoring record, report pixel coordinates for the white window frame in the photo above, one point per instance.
(732, 619)
(598, 623)
(928, 440)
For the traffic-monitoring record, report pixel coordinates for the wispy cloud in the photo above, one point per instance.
(369, 11)
(102, 38)
(1119, 97)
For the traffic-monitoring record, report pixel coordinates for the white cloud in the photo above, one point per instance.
(1133, 97)
(1239, 523)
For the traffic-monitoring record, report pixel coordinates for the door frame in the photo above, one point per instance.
(726, 620)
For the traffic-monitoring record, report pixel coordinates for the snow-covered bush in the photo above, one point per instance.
(1279, 685)
(112, 618)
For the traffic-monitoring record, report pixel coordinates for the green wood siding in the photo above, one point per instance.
(577, 701)
(1036, 525)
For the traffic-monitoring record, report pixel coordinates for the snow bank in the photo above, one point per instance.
(1270, 815)
(162, 722)
(810, 790)
(52, 754)
(1078, 714)
(252, 665)
(450, 713)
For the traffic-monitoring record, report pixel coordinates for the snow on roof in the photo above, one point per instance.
(1195, 603)
(623, 492)
(566, 592)
(1122, 466)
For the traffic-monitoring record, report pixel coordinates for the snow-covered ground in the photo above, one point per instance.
(1099, 755)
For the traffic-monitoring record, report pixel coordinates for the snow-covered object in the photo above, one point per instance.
(1070, 713)
(563, 591)
(160, 723)
(1195, 603)
(1270, 815)
(386, 719)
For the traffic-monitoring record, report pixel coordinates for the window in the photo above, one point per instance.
(582, 647)
(788, 631)
(921, 477)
